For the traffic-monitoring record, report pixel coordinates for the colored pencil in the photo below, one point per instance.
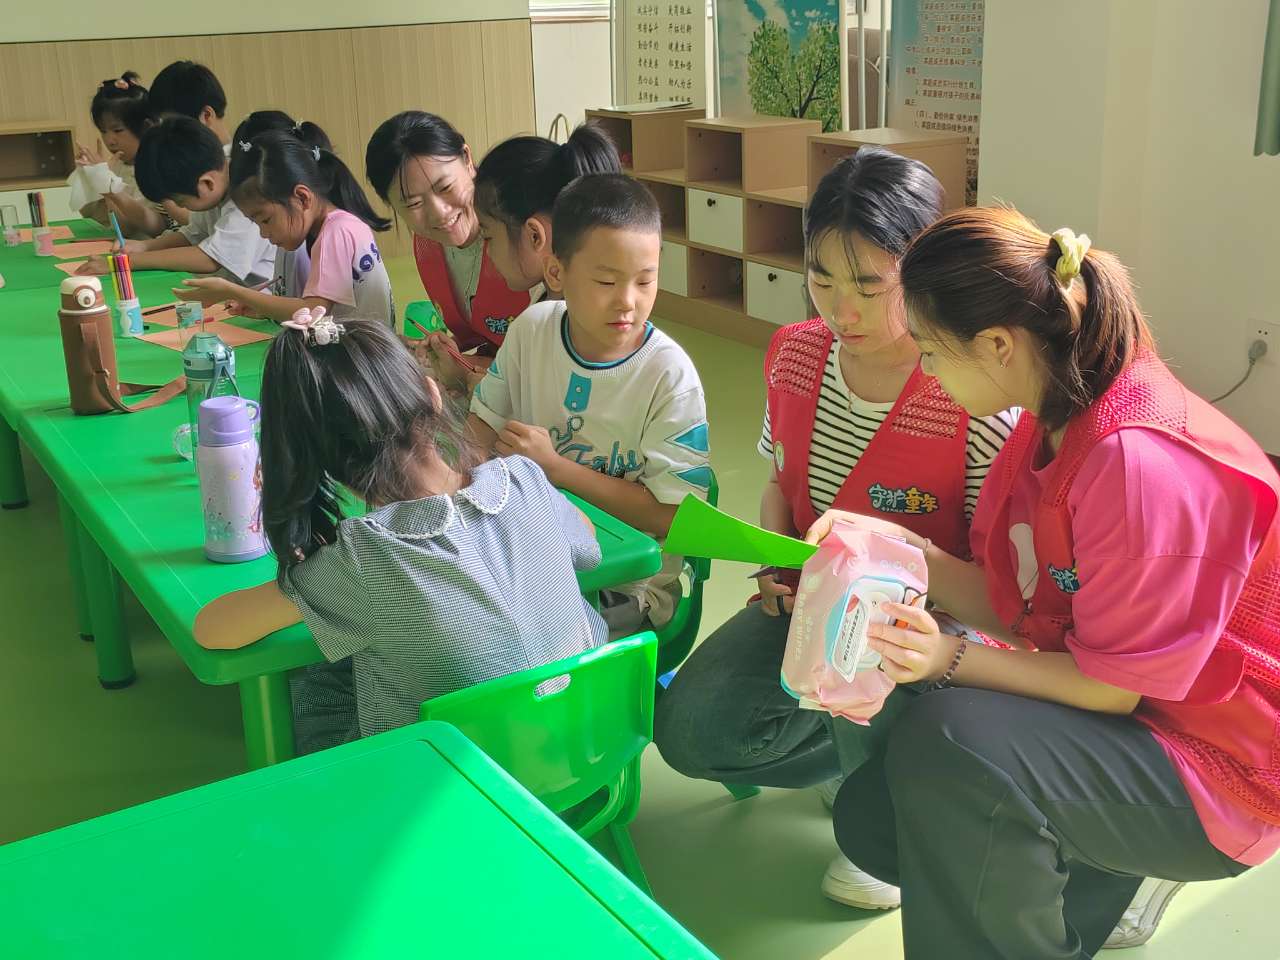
(119, 236)
(449, 348)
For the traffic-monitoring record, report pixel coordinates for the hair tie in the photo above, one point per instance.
(1073, 250)
(317, 329)
(315, 152)
(246, 146)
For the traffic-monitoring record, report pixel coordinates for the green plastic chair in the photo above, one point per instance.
(676, 637)
(575, 746)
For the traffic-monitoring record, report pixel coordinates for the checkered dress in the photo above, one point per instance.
(425, 597)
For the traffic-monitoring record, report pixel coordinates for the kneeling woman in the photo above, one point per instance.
(1127, 535)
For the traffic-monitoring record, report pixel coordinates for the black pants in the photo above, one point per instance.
(1016, 828)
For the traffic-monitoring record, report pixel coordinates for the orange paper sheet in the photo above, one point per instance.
(166, 315)
(69, 266)
(59, 233)
(81, 248)
(176, 338)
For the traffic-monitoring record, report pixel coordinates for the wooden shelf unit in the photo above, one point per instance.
(733, 204)
(944, 154)
(650, 140)
(36, 154)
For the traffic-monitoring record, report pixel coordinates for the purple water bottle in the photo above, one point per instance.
(230, 484)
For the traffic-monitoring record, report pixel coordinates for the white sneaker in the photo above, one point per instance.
(1143, 915)
(827, 791)
(845, 883)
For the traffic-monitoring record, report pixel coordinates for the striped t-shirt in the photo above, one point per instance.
(845, 423)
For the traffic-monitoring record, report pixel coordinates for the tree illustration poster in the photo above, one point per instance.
(781, 58)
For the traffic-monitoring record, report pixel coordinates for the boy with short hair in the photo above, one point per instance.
(190, 89)
(609, 406)
(180, 159)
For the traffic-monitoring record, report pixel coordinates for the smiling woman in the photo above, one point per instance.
(420, 165)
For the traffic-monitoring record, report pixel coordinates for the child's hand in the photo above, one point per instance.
(235, 308)
(448, 371)
(207, 290)
(521, 439)
(95, 266)
(130, 247)
(775, 597)
(919, 651)
(86, 157)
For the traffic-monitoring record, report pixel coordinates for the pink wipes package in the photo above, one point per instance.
(827, 665)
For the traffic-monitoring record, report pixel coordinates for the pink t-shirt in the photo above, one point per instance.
(1163, 542)
(347, 268)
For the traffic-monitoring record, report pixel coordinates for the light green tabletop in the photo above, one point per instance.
(412, 843)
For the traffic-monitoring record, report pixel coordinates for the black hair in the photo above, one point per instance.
(880, 195)
(173, 156)
(124, 98)
(523, 176)
(276, 162)
(356, 413)
(413, 133)
(601, 200)
(186, 87)
(260, 121)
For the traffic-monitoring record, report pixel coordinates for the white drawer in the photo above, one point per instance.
(775, 294)
(673, 268)
(715, 219)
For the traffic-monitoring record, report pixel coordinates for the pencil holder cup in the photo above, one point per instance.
(42, 237)
(128, 318)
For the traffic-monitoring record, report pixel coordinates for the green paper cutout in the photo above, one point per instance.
(700, 530)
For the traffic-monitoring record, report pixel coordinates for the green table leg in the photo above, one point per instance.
(102, 592)
(71, 533)
(13, 485)
(268, 719)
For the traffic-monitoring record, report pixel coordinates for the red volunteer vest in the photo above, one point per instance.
(492, 309)
(912, 473)
(1228, 726)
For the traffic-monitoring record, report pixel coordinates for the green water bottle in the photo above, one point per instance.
(210, 366)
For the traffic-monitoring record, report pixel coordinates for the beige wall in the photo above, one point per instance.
(1134, 122)
(91, 20)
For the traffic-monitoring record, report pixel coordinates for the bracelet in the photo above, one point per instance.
(945, 680)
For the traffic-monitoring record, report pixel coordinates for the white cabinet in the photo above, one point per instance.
(715, 219)
(673, 268)
(775, 294)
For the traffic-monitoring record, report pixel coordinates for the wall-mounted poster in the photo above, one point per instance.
(782, 58)
(660, 51)
(936, 63)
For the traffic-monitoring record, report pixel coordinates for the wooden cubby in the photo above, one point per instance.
(651, 140)
(944, 154)
(733, 210)
(671, 201)
(35, 154)
(774, 233)
(715, 278)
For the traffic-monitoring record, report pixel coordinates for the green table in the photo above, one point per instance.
(134, 507)
(23, 270)
(412, 843)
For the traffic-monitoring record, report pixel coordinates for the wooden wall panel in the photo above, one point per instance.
(29, 88)
(508, 65)
(478, 75)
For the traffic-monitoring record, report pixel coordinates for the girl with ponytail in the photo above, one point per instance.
(516, 187)
(286, 178)
(1127, 541)
(459, 572)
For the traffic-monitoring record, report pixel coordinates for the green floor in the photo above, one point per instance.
(743, 877)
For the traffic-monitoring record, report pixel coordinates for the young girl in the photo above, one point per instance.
(516, 187)
(103, 182)
(846, 401)
(422, 166)
(302, 197)
(459, 573)
(1128, 536)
